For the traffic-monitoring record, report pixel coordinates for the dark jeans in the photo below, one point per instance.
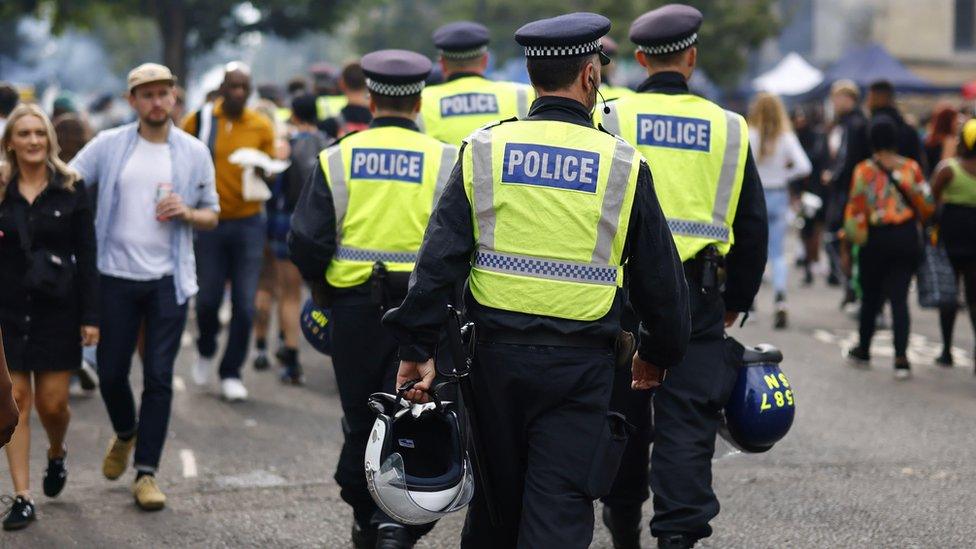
(686, 408)
(233, 251)
(550, 445)
(364, 355)
(886, 265)
(125, 305)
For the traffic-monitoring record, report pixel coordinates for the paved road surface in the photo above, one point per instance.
(870, 462)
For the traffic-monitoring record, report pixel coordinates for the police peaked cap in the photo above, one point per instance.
(461, 39)
(668, 29)
(395, 72)
(570, 35)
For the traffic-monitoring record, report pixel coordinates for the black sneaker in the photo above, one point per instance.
(261, 362)
(857, 356)
(293, 375)
(20, 514)
(945, 360)
(55, 476)
(624, 525)
(675, 541)
(363, 538)
(394, 537)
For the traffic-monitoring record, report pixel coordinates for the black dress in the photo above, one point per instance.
(41, 332)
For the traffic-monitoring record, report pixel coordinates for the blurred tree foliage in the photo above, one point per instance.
(188, 27)
(731, 29)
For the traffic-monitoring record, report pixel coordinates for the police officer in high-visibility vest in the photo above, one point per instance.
(354, 236)
(467, 100)
(549, 220)
(608, 91)
(706, 180)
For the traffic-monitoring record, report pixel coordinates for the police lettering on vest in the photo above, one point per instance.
(469, 103)
(545, 166)
(387, 164)
(676, 132)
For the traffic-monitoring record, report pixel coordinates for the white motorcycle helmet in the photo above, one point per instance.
(417, 466)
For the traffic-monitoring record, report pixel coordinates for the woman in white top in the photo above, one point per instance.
(779, 160)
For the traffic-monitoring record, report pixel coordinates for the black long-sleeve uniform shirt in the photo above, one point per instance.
(746, 260)
(654, 276)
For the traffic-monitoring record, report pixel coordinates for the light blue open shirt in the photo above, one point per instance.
(101, 161)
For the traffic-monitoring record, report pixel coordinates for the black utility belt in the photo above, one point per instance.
(544, 339)
(706, 270)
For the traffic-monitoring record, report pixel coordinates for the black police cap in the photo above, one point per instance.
(395, 72)
(667, 29)
(570, 35)
(461, 39)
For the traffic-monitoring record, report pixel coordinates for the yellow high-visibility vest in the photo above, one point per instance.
(697, 154)
(551, 203)
(384, 182)
(328, 106)
(452, 110)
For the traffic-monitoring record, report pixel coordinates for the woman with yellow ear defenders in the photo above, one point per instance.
(954, 189)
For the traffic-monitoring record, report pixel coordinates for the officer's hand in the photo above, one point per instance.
(320, 294)
(730, 318)
(645, 374)
(410, 371)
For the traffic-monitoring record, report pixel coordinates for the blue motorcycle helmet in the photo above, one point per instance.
(316, 327)
(762, 404)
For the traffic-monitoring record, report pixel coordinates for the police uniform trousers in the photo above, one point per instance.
(686, 418)
(552, 446)
(364, 356)
(630, 487)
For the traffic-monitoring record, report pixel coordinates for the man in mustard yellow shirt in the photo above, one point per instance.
(232, 252)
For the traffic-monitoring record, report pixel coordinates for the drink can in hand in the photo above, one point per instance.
(162, 192)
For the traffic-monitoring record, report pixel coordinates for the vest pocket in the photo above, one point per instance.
(606, 459)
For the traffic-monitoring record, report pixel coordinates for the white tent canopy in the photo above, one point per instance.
(791, 76)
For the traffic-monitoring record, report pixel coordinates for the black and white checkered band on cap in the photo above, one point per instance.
(670, 48)
(394, 89)
(563, 51)
(465, 54)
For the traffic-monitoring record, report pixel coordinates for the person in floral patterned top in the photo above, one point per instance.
(889, 199)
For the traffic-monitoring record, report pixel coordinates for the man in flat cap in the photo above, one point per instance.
(467, 100)
(706, 180)
(357, 229)
(540, 216)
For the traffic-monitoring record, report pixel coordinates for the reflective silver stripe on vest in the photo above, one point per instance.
(522, 101)
(347, 253)
(698, 229)
(726, 178)
(553, 269)
(420, 123)
(613, 200)
(611, 120)
(448, 158)
(482, 187)
(337, 180)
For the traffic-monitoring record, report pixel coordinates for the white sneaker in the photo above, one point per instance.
(903, 374)
(233, 390)
(202, 369)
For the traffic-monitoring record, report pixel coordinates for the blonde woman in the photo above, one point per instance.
(779, 159)
(48, 293)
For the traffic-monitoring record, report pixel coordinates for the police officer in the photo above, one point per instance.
(467, 100)
(608, 91)
(709, 189)
(541, 216)
(354, 236)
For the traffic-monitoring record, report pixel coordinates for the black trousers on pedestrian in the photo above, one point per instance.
(364, 356)
(630, 488)
(124, 306)
(886, 265)
(686, 417)
(551, 445)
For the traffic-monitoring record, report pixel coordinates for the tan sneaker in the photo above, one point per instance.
(148, 495)
(117, 457)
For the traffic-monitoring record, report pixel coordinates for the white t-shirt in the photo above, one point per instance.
(786, 162)
(139, 246)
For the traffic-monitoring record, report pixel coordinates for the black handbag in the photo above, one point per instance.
(47, 272)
